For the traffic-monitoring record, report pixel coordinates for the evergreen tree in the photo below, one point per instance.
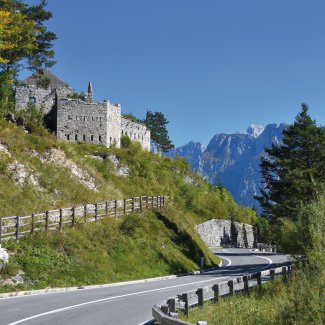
(292, 171)
(156, 123)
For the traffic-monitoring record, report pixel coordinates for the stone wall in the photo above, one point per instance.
(226, 233)
(44, 99)
(136, 132)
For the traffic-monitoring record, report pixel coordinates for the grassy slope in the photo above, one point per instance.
(300, 301)
(110, 250)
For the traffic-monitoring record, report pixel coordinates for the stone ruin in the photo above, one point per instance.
(79, 118)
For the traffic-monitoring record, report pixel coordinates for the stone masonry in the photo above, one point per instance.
(227, 233)
(80, 120)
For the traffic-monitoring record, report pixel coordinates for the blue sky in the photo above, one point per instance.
(210, 66)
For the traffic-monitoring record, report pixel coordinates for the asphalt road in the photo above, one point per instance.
(125, 304)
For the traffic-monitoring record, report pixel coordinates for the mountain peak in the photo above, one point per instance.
(255, 130)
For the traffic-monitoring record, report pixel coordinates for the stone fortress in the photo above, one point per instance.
(79, 118)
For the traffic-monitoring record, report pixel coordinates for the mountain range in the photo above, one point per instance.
(232, 160)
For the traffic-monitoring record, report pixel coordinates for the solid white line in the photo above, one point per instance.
(55, 311)
(266, 258)
(227, 259)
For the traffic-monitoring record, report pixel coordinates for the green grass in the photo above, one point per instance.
(110, 250)
(136, 246)
(298, 302)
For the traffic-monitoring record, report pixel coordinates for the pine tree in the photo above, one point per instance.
(292, 171)
(156, 123)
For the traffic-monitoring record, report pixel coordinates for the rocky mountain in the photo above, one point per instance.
(233, 159)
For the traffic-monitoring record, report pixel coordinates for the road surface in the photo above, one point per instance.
(125, 304)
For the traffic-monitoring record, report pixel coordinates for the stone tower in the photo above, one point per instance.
(89, 95)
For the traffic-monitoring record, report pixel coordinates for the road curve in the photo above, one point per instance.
(125, 304)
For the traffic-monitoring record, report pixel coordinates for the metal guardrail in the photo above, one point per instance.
(166, 312)
(18, 226)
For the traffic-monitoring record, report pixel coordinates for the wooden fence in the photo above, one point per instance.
(166, 313)
(17, 226)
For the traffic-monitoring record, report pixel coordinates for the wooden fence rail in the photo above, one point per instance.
(18, 226)
(165, 313)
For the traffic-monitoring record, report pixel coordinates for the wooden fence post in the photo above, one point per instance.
(231, 287)
(115, 209)
(200, 297)
(124, 206)
(272, 274)
(46, 220)
(259, 279)
(85, 212)
(172, 305)
(140, 203)
(73, 223)
(106, 209)
(132, 204)
(96, 211)
(32, 229)
(246, 285)
(185, 300)
(61, 221)
(215, 289)
(17, 227)
(284, 274)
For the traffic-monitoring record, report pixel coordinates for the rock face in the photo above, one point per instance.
(4, 257)
(226, 233)
(233, 160)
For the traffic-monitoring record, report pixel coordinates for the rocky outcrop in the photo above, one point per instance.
(226, 233)
(233, 160)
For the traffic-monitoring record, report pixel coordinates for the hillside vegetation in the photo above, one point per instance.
(37, 173)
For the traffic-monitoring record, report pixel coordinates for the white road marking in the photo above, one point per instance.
(55, 311)
(266, 258)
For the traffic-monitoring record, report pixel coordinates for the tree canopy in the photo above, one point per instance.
(25, 43)
(156, 123)
(293, 170)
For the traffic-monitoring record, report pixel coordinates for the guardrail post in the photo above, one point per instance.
(259, 279)
(215, 289)
(152, 203)
(46, 220)
(157, 203)
(17, 227)
(272, 274)
(115, 208)
(60, 220)
(164, 309)
(246, 285)
(185, 300)
(0, 230)
(147, 203)
(32, 229)
(140, 203)
(85, 212)
(200, 297)
(73, 223)
(172, 305)
(106, 209)
(284, 274)
(231, 287)
(132, 204)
